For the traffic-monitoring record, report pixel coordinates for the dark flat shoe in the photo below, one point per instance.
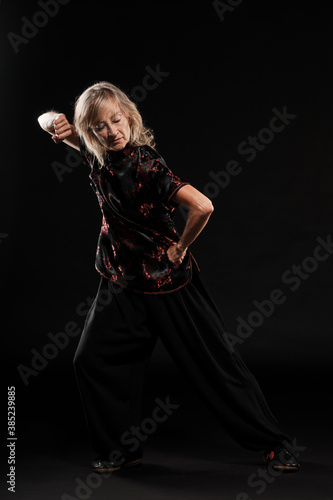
(281, 459)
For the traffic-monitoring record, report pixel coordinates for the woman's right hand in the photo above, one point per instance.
(62, 128)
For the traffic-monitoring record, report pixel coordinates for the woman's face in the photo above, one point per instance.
(111, 126)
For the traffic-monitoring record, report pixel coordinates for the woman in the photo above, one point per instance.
(154, 288)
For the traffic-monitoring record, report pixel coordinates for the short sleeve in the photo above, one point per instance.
(164, 182)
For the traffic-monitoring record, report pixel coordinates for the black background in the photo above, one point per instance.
(224, 77)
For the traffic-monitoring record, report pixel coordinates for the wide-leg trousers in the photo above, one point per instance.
(117, 341)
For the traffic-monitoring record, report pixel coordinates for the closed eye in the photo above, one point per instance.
(100, 127)
(103, 125)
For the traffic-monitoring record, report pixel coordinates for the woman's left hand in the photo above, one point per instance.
(176, 254)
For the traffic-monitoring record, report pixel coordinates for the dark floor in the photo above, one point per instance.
(188, 456)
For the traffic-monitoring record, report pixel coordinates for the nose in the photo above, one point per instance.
(112, 131)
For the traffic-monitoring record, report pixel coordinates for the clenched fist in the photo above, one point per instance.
(62, 128)
(176, 254)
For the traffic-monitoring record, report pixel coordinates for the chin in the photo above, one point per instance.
(118, 146)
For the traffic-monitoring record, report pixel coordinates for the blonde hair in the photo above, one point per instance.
(86, 109)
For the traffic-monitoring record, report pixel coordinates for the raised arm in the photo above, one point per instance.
(59, 127)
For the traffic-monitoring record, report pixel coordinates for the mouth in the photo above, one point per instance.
(116, 140)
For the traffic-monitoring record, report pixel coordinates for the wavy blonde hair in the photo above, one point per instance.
(86, 109)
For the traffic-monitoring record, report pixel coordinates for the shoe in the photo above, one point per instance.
(104, 465)
(281, 459)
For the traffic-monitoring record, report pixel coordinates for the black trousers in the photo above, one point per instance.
(118, 338)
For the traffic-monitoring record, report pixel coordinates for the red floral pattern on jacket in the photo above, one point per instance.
(134, 190)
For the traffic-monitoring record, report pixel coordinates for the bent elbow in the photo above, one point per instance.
(208, 208)
(204, 206)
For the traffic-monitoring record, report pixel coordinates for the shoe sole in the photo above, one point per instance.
(114, 469)
(286, 468)
(282, 467)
